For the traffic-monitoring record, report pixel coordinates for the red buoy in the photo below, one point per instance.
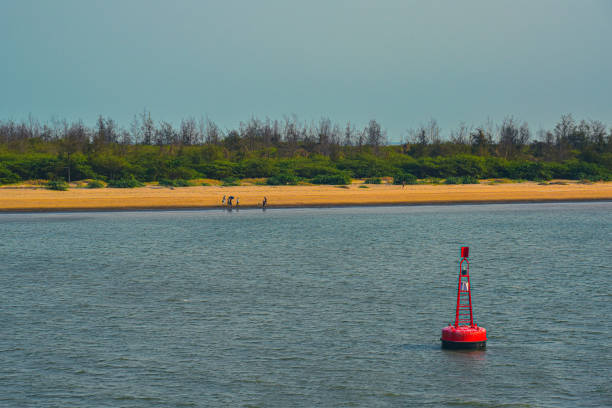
(464, 334)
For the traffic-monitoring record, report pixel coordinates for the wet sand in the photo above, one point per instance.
(155, 197)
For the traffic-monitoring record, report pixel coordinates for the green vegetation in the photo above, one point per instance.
(461, 180)
(404, 178)
(282, 179)
(230, 182)
(59, 185)
(127, 182)
(293, 152)
(95, 184)
(469, 180)
(176, 183)
(333, 179)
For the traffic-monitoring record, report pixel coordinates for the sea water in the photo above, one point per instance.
(305, 307)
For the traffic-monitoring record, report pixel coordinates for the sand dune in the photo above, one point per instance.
(151, 197)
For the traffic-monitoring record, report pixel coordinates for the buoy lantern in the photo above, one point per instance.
(464, 334)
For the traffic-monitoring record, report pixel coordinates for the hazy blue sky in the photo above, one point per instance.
(400, 62)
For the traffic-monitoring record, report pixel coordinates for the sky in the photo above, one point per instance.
(399, 62)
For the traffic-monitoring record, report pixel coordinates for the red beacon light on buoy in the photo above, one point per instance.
(464, 334)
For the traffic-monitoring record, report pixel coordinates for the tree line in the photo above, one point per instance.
(289, 150)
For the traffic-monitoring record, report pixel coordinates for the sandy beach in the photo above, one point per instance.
(155, 197)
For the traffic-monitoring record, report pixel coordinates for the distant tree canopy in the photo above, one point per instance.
(289, 150)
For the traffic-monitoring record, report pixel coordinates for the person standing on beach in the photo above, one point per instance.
(237, 202)
(223, 201)
(264, 203)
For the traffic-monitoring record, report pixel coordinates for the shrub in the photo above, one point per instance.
(7, 176)
(130, 182)
(469, 180)
(95, 184)
(230, 182)
(407, 178)
(182, 173)
(333, 179)
(373, 180)
(175, 183)
(313, 170)
(452, 180)
(59, 185)
(431, 180)
(363, 186)
(254, 168)
(219, 169)
(282, 180)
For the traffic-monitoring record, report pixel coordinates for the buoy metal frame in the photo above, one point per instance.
(464, 334)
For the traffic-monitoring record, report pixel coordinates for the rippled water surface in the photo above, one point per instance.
(312, 307)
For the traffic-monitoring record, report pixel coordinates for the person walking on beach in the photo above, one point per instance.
(223, 201)
(237, 202)
(264, 203)
(229, 201)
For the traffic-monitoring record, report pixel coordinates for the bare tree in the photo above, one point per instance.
(598, 134)
(212, 133)
(433, 131)
(135, 130)
(291, 130)
(563, 130)
(189, 131)
(480, 141)
(349, 135)
(375, 136)
(323, 132)
(147, 128)
(165, 135)
(418, 136)
(508, 137)
(460, 136)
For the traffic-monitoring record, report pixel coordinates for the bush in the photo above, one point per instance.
(373, 180)
(406, 178)
(7, 176)
(362, 186)
(313, 170)
(282, 179)
(219, 169)
(432, 180)
(462, 180)
(255, 168)
(333, 179)
(469, 180)
(230, 182)
(452, 180)
(125, 183)
(59, 185)
(95, 184)
(175, 183)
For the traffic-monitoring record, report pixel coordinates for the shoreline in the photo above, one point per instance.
(27, 199)
(47, 210)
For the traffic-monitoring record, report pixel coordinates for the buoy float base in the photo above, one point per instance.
(464, 337)
(464, 345)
